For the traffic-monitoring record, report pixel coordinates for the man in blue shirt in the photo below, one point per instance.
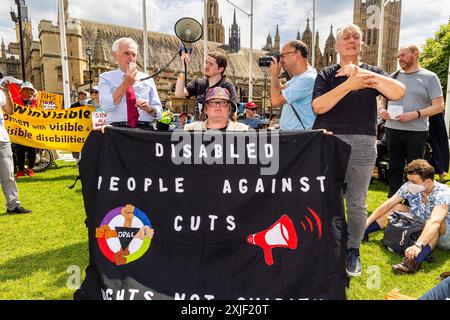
(128, 101)
(296, 95)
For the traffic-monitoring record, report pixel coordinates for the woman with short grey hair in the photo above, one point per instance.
(345, 100)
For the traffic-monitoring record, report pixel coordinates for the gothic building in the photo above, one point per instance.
(275, 47)
(366, 14)
(307, 39)
(329, 53)
(276, 44)
(44, 69)
(328, 57)
(234, 39)
(216, 31)
(10, 60)
(269, 46)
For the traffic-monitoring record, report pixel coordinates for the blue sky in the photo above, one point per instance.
(420, 19)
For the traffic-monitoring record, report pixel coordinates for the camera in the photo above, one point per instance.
(265, 61)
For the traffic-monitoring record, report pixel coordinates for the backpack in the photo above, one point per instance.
(402, 231)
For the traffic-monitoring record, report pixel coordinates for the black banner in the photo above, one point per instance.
(202, 216)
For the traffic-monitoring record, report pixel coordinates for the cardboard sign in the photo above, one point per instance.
(49, 101)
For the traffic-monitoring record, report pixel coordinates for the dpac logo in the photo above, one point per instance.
(124, 235)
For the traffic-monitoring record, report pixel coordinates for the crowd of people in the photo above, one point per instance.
(346, 99)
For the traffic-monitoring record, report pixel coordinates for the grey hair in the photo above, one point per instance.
(118, 42)
(350, 27)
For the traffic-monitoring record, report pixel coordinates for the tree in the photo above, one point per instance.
(435, 54)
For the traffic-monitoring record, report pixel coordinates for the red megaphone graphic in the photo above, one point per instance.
(281, 234)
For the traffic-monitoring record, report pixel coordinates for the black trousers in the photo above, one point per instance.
(403, 147)
(438, 140)
(21, 152)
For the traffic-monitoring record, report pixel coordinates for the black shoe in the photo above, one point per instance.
(354, 267)
(18, 210)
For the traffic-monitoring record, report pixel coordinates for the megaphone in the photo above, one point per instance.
(189, 31)
(281, 234)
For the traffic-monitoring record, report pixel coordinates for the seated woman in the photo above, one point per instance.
(217, 112)
(428, 200)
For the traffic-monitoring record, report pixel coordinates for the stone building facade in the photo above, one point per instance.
(328, 57)
(10, 60)
(44, 69)
(216, 31)
(234, 36)
(366, 14)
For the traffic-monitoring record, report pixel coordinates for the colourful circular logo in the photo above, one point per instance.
(124, 235)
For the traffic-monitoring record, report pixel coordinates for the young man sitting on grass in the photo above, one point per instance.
(428, 200)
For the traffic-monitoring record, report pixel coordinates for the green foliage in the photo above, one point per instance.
(435, 54)
(42, 250)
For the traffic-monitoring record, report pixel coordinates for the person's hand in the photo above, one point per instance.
(5, 86)
(102, 128)
(361, 81)
(275, 68)
(358, 78)
(145, 106)
(384, 114)
(131, 74)
(348, 70)
(185, 58)
(406, 117)
(412, 252)
(326, 132)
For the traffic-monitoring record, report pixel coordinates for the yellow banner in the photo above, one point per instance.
(50, 129)
(49, 101)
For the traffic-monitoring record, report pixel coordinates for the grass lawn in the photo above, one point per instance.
(43, 251)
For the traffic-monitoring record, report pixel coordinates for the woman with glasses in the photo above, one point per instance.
(217, 113)
(95, 101)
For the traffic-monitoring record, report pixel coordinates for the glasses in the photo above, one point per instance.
(283, 54)
(221, 104)
(94, 91)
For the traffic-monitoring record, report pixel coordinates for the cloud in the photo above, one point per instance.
(420, 19)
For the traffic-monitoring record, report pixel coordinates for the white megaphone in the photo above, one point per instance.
(188, 30)
(281, 234)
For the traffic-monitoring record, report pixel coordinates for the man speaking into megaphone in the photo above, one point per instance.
(128, 97)
(214, 76)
